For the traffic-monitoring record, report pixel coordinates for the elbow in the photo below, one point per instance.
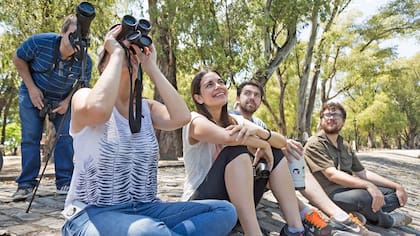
(179, 121)
(185, 119)
(17, 61)
(98, 114)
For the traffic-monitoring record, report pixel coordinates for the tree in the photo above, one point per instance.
(44, 16)
(402, 85)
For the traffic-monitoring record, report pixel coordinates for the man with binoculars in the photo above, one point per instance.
(49, 67)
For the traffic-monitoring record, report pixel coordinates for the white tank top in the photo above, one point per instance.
(198, 158)
(114, 166)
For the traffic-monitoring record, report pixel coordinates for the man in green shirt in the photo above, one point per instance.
(346, 181)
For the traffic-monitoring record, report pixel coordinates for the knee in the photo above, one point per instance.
(240, 161)
(146, 227)
(229, 211)
(226, 212)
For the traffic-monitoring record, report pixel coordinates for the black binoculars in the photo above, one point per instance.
(48, 108)
(136, 32)
(262, 170)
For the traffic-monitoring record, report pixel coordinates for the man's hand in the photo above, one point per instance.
(62, 107)
(293, 150)
(36, 96)
(402, 195)
(377, 197)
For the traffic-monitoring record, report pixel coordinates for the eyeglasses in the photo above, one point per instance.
(332, 115)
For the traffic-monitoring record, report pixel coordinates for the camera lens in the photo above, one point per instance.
(86, 9)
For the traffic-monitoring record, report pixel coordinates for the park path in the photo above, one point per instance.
(44, 217)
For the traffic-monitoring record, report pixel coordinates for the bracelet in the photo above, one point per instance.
(269, 135)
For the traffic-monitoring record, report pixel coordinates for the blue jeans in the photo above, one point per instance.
(360, 200)
(32, 127)
(205, 217)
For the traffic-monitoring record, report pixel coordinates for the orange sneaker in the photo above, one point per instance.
(315, 225)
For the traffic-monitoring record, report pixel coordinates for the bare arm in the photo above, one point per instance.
(201, 129)
(382, 181)
(350, 181)
(291, 148)
(94, 106)
(35, 93)
(175, 113)
(249, 129)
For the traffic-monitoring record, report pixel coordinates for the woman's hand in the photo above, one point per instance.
(146, 57)
(111, 44)
(244, 131)
(293, 150)
(265, 153)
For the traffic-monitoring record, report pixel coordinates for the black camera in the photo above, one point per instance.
(85, 12)
(262, 170)
(48, 108)
(136, 32)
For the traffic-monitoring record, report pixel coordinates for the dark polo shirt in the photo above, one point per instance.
(320, 154)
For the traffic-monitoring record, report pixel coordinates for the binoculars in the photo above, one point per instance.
(136, 32)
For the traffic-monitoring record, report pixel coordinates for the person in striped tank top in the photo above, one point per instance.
(114, 185)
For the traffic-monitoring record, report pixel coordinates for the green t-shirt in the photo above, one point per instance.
(321, 154)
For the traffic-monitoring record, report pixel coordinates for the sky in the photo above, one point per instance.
(406, 47)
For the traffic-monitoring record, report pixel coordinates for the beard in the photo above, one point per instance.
(247, 109)
(328, 129)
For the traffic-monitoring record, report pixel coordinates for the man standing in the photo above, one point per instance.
(248, 100)
(346, 181)
(47, 65)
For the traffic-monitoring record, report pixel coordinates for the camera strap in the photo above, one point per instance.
(53, 61)
(134, 118)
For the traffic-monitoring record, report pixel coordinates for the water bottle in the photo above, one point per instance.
(297, 171)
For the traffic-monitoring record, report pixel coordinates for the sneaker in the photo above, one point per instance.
(22, 193)
(285, 232)
(315, 225)
(400, 219)
(352, 225)
(63, 190)
(359, 216)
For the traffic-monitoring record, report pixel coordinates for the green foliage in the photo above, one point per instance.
(13, 137)
(242, 38)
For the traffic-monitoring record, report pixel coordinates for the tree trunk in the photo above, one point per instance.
(303, 84)
(371, 137)
(170, 142)
(283, 85)
(411, 137)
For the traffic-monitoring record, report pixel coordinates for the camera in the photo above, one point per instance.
(262, 170)
(85, 12)
(48, 108)
(136, 32)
